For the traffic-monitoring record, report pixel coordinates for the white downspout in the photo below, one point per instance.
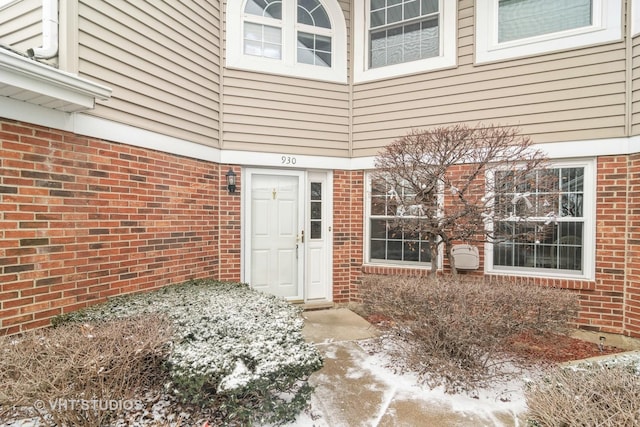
(49, 47)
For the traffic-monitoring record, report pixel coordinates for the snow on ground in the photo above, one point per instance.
(372, 372)
(371, 376)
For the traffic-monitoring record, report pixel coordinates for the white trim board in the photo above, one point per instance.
(43, 84)
(108, 130)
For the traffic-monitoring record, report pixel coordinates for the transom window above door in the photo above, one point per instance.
(300, 38)
(397, 37)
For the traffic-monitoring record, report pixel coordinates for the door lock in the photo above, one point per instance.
(301, 237)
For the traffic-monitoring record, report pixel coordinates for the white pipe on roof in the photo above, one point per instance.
(49, 47)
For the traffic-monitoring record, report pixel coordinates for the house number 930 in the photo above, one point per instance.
(288, 160)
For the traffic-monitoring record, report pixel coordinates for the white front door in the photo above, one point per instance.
(287, 233)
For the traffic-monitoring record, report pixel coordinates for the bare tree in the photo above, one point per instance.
(448, 184)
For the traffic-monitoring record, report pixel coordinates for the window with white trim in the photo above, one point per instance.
(542, 229)
(397, 37)
(514, 28)
(299, 38)
(388, 242)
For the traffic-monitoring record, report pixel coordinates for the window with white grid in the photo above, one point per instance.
(299, 38)
(398, 37)
(544, 228)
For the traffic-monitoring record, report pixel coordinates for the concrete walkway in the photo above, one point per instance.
(354, 388)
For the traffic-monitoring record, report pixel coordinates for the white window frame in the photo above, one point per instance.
(287, 65)
(448, 46)
(606, 27)
(367, 236)
(589, 231)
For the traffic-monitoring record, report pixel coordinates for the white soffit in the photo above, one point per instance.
(26, 80)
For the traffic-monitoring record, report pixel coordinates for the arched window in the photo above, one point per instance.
(299, 38)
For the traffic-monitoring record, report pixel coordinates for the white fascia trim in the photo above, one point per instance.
(607, 27)
(236, 59)
(117, 132)
(27, 74)
(284, 161)
(556, 150)
(95, 127)
(448, 45)
(108, 130)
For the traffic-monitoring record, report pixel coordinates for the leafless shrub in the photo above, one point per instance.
(80, 374)
(592, 396)
(453, 330)
(484, 172)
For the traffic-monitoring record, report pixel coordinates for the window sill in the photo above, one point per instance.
(439, 63)
(558, 281)
(276, 67)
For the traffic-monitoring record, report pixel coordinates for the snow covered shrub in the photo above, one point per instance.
(82, 374)
(603, 394)
(453, 329)
(236, 350)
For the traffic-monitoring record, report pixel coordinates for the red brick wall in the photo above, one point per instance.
(84, 219)
(348, 234)
(230, 227)
(602, 308)
(611, 302)
(632, 291)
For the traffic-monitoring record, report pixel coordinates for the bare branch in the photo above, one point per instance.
(447, 181)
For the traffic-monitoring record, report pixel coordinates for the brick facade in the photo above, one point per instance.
(632, 283)
(348, 233)
(230, 227)
(611, 302)
(84, 219)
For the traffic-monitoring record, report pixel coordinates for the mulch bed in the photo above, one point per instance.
(544, 348)
(554, 348)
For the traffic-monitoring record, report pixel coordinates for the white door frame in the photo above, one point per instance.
(319, 253)
(305, 177)
(247, 178)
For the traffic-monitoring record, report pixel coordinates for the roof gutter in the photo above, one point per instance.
(49, 47)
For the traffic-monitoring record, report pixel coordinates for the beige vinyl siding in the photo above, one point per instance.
(21, 25)
(572, 95)
(162, 61)
(635, 86)
(277, 114)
